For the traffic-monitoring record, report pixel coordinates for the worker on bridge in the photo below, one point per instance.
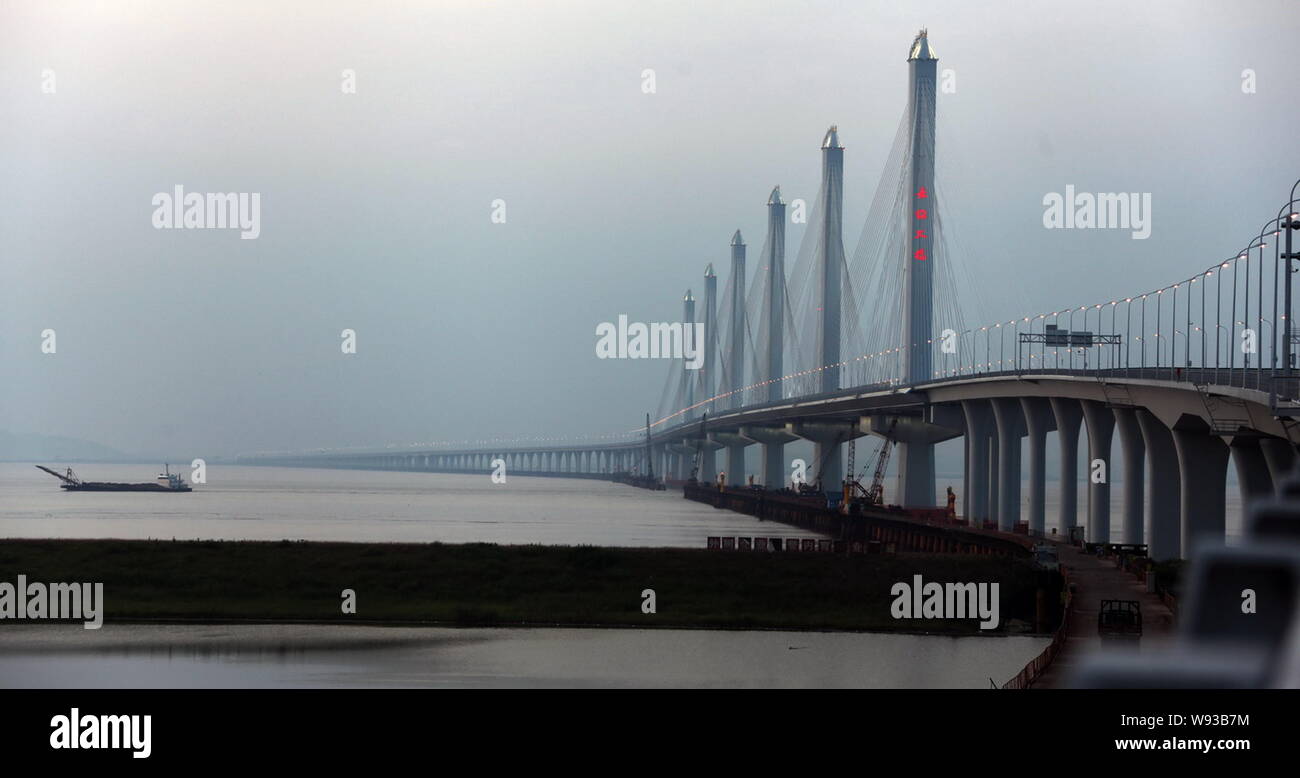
(952, 503)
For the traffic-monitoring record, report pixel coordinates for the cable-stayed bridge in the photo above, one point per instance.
(1185, 380)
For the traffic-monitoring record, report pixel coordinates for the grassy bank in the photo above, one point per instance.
(482, 584)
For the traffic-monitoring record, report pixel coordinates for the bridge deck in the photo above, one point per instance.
(1096, 580)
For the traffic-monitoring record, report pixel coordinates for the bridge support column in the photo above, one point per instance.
(916, 478)
(1252, 470)
(735, 443)
(1131, 443)
(1038, 422)
(916, 438)
(1203, 465)
(994, 481)
(976, 497)
(828, 439)
(1163, 531)
(773, 440)
(1281, 458)
(1068, 416)
(1010, 426)
(708, 462)
(683, 454)
(1100, 422)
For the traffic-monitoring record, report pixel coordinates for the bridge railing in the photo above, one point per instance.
(1228, 325)
(1039, 664)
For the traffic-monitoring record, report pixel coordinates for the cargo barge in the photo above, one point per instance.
(167, 481)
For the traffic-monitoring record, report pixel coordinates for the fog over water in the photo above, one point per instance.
(376, 204)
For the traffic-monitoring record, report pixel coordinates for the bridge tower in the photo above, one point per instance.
(685, 453)
(689, 348)
(736, 448)
(832, 256)
(827, 446)
(737, 344)
(916, 451)
(776, 293)
(918, 272)
(774, 440)
(708, 384)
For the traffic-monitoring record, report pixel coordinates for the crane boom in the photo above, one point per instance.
(877, 491)
(875, 495)
(70, 478)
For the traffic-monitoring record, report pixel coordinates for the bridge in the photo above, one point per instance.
(835, 347)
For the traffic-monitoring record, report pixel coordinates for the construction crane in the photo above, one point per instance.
(874, 494)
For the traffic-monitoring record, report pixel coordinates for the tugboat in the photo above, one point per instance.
(167, 481)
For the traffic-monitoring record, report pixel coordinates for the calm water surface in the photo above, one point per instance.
(256, 503)
(243, 656)
(271, 503)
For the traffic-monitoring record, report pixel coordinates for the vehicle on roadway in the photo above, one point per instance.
(1119, 620)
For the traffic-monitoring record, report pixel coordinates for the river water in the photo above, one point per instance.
(273, 503)
(247, 656)
(257, 503)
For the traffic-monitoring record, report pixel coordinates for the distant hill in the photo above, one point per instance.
(16, 447)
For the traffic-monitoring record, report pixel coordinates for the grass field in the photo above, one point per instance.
(482, 584)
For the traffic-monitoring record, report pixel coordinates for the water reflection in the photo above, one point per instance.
(296, 655)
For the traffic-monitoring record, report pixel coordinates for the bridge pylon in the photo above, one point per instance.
(916, 458)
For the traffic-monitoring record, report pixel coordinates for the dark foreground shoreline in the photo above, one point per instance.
(482, 584)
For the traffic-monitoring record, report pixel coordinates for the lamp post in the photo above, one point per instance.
(1291, 224)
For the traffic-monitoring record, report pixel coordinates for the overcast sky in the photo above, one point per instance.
(376, 206)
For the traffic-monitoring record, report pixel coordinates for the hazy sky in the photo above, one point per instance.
(375, 206)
